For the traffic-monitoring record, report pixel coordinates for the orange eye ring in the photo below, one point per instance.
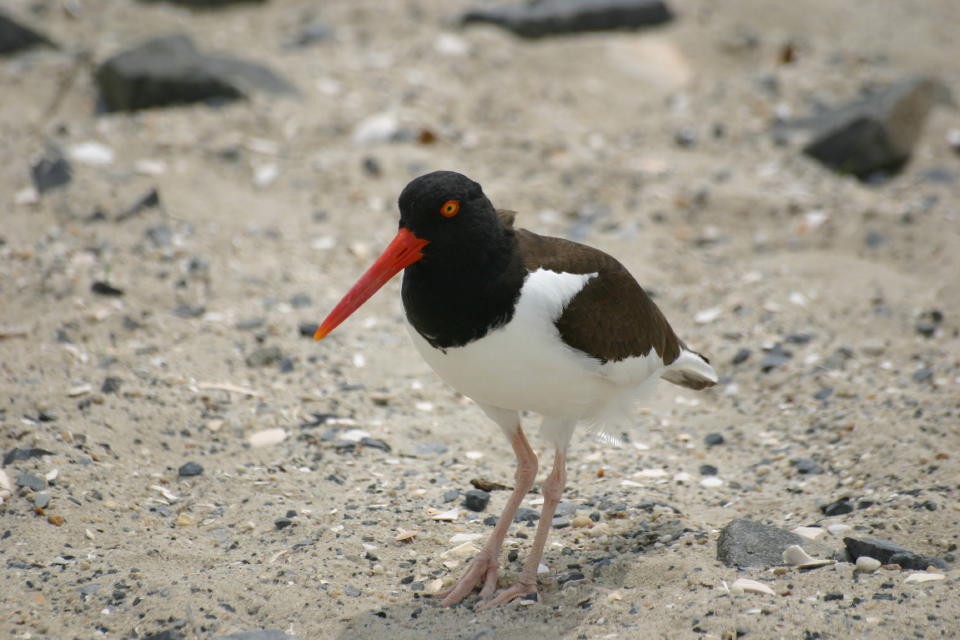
(450, 208)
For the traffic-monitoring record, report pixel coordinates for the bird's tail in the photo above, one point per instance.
(690, 370)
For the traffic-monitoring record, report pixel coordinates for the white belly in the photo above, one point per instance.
(524, 365)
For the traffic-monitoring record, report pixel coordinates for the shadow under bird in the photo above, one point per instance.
(519, 321)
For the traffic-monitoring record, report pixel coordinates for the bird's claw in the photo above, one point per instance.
(519, 590)
(482, 568)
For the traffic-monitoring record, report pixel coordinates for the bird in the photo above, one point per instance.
(517, 322)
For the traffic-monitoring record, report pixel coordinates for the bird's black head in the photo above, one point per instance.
(449, 211)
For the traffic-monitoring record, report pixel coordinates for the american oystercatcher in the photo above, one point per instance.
(518, 321)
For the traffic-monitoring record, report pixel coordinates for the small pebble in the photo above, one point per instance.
(581, 521)
(711, 482)
(267, 437)
(190, 469)
(713, 439)
(185, 520)
(56, 519)
(476, 500)
(795, 555)
(867, 564)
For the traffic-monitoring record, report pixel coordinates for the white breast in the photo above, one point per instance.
(524, 365)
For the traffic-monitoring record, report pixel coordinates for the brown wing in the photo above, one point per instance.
(612, 317)
(507, 217)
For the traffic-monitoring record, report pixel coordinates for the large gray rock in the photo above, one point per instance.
(875, 134)
(746, 543)
(170, 70)
(15, 37)
(550, 17)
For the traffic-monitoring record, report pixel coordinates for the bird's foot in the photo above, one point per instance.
(484, 567)
(518, 590)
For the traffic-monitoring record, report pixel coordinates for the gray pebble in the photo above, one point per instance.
(31, 482)
(190, 469)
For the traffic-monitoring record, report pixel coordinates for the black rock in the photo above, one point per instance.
(490, 521)
(260, 634)
(170, 70)
(24, 454)
(374, 443)
(713, 439)
(205, 4)
(168, 634)
(105, 289)
(111, 384)
(746, 543)
(741, 356)
(833, 595)
(806, 466)
(526, 515)
(476, 500)
(16, 37)
(928, 323)
(190, 469)
(264, 356)
(185, 310)
(31, 482)
(282, 523)
(774, 358)
(890, 553)
(147, 201)
(838, 507)
(708, 470)
(824, 393)
(307, 329)
(50, 171)
(874, 134)
(551, 17)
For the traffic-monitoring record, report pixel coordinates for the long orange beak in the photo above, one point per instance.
(402, 251)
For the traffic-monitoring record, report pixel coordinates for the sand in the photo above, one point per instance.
(745, 243)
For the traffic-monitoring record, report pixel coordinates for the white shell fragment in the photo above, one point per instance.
(918, 578)
(460, 551)
(91, 153)
(457, 538)
(707, 315)
(810, 533)
(433, 586)
(449, 515)
(267, 437)
(839, 530)
(404, 535)
(867, 564)
(795, 555)
(711, 482)
(746, 585)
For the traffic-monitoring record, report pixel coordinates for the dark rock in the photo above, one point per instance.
(307, 329)
(264, 356)
(24, 454)
(685, 137)
(824, 393)
(170, 70)
(313, 33)
(159, 235)
(806, 466)
(476, 500)
(491, 521)
(262, 634)
(776, 357)
(205, 4)
(147, 201)
(248, 324)
(874, 134)
(31, 482)
(570, 577)
(526, 515)
(713, 439)
(566, 509)
(105, 289)
(372, 166)
(374, 443)
(50, 171)
(833, 595)
(928, 323)
(741, 356)
(800, 338)
(185, 310)
(838, 507)
(286, 365)
(746, 543)
(16, 37)
(300, 300)
(922, 375)
(422, 448)
(111, 384)
(168, 634)
(560, 522)
(874, 239)
(551, 17)
(282, 523)
(190, 469)
(708, 470)
(890, 553)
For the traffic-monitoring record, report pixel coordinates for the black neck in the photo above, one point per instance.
(454, 298)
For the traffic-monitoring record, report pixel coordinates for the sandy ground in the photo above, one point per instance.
(745, 243)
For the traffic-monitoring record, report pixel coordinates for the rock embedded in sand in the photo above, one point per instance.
(552, 17)
(190, 469)
(169, 70)
(476, 500)
(889, 553)
(874, 134)
(16, 37)
(867, 564)
(50, 170)
(747, 543)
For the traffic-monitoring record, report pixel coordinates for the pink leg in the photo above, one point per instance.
(485, 565)
(552, 492)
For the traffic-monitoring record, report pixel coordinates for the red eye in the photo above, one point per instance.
(450, 208)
